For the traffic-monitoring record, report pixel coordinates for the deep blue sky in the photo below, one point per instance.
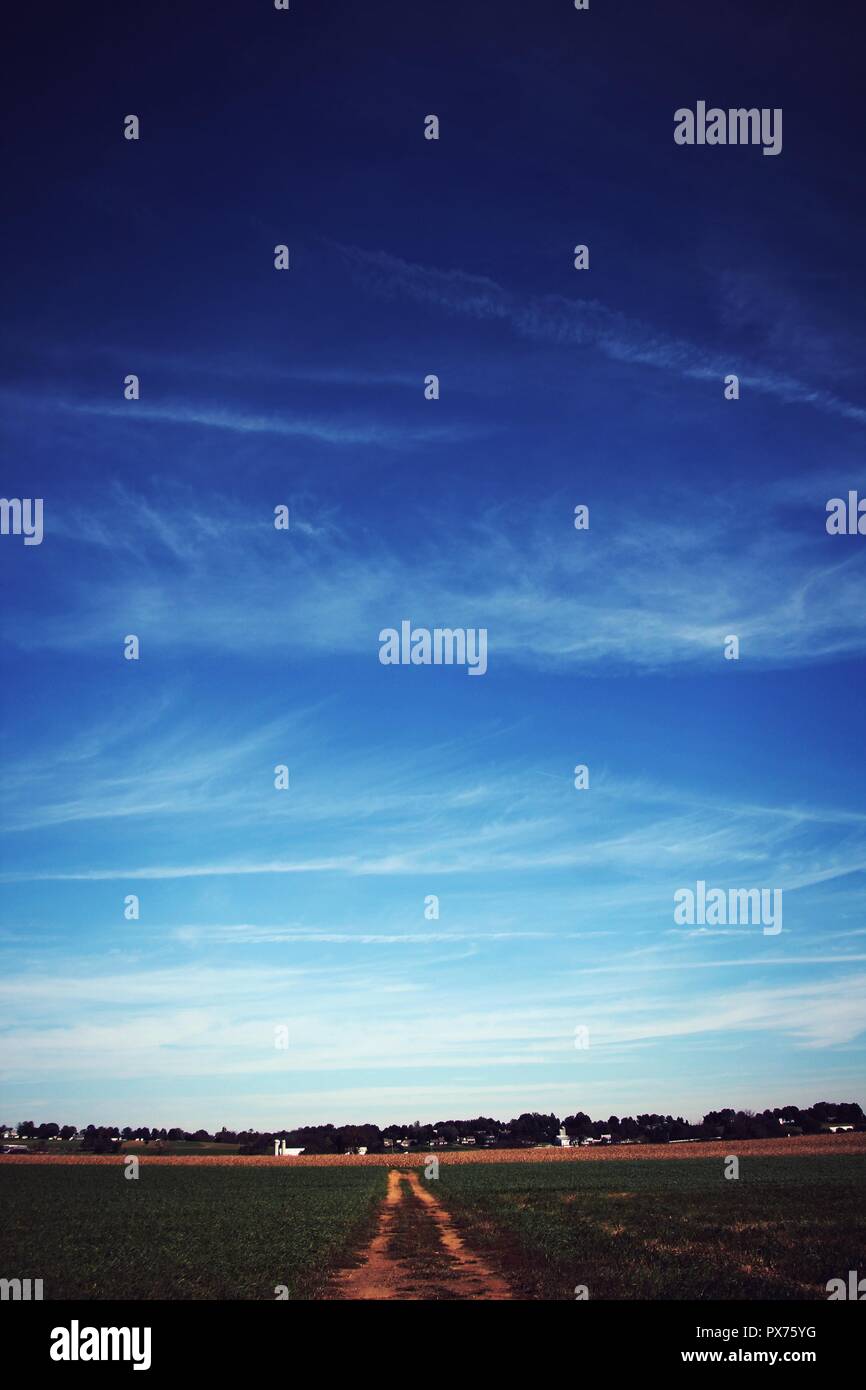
(558, 387)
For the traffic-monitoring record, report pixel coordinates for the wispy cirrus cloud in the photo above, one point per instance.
(580, 323)
(285, 426)
(657, 594)
(335, 430)
(437, 817)
(219, 1022)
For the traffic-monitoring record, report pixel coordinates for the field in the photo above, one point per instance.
(665, 1230)
(178, 1231)
(657, 1223)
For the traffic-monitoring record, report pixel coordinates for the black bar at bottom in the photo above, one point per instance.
(257, 1340)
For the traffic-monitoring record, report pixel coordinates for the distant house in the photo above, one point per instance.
(15, 1149)
(838, 1129)
(564, 1141)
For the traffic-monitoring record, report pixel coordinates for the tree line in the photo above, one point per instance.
(527, 1129)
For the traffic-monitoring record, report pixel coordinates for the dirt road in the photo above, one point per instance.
(416, 1253)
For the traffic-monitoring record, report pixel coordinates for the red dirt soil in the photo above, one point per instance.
(382, 1274)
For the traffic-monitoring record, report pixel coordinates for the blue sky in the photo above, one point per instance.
(305, 908)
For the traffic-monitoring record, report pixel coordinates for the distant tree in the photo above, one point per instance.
(719, 1121)
(809, 1121)
(532, 1127)
(535, 1128)
(97, 1141)
(578, 1126)
(483, 1125)
(371, 1138)
(256, 1144)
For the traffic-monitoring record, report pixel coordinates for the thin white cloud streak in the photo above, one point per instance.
(580, 323)
(769, 961)
(248, 934)
(283, 426)
(198, 366)
(332, 431)
(438, 860)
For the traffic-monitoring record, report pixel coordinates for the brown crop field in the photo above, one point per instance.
(804, 1146)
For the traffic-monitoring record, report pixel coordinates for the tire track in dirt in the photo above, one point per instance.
(417, 1254)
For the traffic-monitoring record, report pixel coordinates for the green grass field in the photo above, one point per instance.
(668, 1229)
(182, 1233)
